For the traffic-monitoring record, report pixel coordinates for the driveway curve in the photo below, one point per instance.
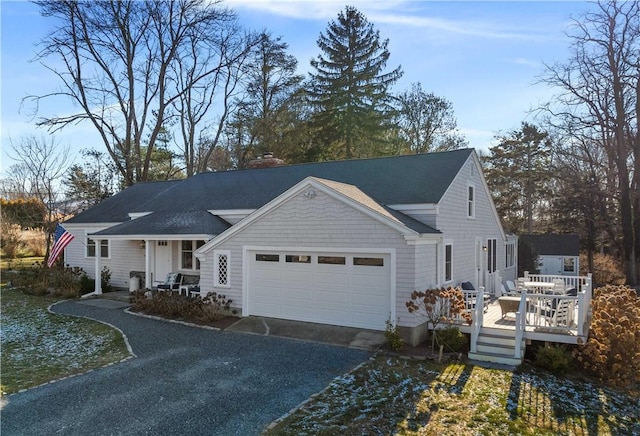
(184, 380)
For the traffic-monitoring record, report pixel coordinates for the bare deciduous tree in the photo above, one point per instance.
(130, 66)
(427, 122)
(42, 164)
(599, 99)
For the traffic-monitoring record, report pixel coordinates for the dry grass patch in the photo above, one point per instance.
(391, 395)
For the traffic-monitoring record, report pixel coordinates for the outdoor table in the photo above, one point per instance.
(509, 304)
(539, 286)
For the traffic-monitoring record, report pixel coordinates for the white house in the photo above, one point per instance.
(341, 243)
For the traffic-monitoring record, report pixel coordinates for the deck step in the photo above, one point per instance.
(495, 358)
(497, 346)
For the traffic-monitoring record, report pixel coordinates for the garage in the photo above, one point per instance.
(346, 289)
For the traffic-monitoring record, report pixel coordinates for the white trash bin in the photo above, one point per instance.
(134, 284)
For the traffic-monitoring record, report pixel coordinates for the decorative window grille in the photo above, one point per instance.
(221, 268)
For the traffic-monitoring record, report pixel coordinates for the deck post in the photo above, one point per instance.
(478, 315)
(520, 324)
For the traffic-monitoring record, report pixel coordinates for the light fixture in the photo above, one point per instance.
(310, 194)
(484, 248)
(143, 244)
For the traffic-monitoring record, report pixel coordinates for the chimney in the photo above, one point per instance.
(265, 161)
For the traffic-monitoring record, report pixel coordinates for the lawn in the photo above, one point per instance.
(38, 346)
(19, 262)
(391, 395)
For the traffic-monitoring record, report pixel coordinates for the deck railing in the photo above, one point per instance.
(580, 304)
(581, 283)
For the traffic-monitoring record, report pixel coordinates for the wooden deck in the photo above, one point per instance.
(536, 327)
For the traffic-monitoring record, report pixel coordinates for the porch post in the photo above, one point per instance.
(147, 264)
(98, 275)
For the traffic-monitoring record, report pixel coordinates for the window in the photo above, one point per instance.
(267, 258)
(297, 258)
(332, 260)
(471, 202)
(492, 255)
(510, 250)
(368, 261)
(448, 262)
(187, 259)
(221, 268)
(91, 248)
(569, 264)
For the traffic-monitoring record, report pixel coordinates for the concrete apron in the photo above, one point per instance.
(323, 333)
(329, 334)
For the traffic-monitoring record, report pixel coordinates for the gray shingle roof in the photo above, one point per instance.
(115, 209)
(170, 223)
(392, 180)
(554, 245)
(409, 179)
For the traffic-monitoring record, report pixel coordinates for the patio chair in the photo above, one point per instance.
(171, 283)
(471, 295)
(560, 313)
(511, 288)
(558, 286)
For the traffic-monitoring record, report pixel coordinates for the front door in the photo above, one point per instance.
(163, 261)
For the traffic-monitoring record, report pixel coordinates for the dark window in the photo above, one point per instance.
(368, 261)
(295, 258)
(448, 256)
(332, 260)
(268, 257)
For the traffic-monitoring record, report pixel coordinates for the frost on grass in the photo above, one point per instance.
(63, 341)
(395, 396)
(569, 399)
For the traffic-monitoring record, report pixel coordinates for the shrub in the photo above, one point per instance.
(40, 280)
(438, 305)
(554, 358)
(612, 352)
(211, 308)
(451, 338)
(105, 279)
(391, 333)
(87, 284)
(11, 241)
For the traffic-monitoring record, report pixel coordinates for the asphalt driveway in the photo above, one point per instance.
(183, 381)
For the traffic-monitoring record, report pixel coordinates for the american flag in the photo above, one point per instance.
(61, 239)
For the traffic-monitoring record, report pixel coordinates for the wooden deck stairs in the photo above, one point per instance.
(497, 346)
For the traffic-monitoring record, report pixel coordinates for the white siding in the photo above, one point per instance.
(462, 231)
(321, 221)
(124, 256)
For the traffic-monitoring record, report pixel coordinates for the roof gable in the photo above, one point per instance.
(341, 192)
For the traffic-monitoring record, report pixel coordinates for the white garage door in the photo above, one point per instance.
(346, 289)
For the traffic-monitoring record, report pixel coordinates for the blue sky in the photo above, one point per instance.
(484, 57)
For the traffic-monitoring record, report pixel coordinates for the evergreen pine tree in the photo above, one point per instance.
(349, 89)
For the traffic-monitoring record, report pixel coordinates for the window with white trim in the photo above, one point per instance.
(104, 248)
(510, 250)
(187, 258)
(221, 268)
(471, 202)
(569, 264)
(448, 262)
